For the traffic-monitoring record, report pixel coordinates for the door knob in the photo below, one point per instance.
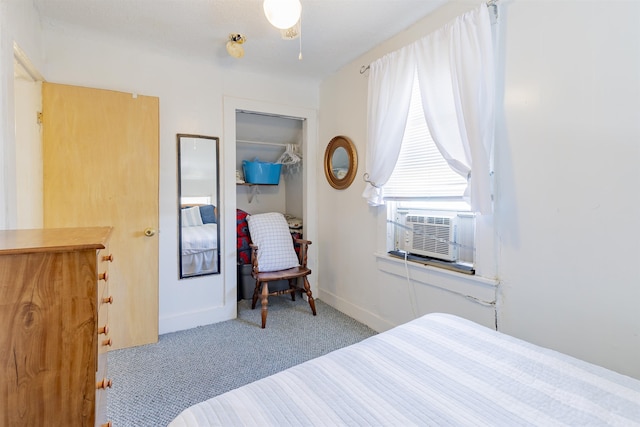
(149, 231)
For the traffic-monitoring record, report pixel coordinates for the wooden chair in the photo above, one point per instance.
(291, 274)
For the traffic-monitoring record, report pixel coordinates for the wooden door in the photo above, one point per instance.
(100, 155)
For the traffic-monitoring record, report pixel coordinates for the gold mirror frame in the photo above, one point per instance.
(331, 170)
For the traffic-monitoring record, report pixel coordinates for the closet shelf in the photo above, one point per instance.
(248, 184)
(253, 188)
(274, 144)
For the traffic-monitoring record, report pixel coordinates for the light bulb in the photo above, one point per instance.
(282, 14)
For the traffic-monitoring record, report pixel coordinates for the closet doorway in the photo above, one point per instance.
(263, 130)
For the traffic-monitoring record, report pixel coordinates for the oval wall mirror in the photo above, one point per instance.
(340, 162)
(198, 205)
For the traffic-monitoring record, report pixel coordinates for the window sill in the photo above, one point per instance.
(459, 268)
(471, 286)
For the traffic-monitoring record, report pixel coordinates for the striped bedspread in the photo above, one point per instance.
(438, 370)
(199, 238)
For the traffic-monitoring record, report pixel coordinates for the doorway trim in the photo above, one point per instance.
(21, 58)
(26, 206)
(309, 181)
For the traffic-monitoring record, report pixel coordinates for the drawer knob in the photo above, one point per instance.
(103, 276)
(103, 330)
(107, 342)
(108, 258)
(104, 384)
(107, 300)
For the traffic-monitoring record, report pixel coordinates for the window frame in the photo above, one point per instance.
(399, 207)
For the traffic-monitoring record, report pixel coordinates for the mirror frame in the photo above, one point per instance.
(335, 143)
(179, 156)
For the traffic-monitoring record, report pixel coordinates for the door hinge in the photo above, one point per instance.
(39, 118)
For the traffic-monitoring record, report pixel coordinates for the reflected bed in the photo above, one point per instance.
(200, 249)
(199, 245)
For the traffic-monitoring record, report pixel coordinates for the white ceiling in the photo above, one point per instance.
(334, 32)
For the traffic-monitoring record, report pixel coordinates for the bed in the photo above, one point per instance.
(436, 370)
(199, 245)
(199, 249)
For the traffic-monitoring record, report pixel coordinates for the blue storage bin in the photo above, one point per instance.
(258, 172)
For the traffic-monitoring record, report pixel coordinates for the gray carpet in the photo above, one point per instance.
(152, 384)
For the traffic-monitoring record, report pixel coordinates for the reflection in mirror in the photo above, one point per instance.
(340, 162)
(198, 205)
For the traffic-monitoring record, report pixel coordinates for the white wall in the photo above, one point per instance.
(568, 189)
(191, 101)
(567, 200)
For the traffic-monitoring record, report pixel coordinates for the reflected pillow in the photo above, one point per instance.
(208, 214)
(270, 232)
(191, 217)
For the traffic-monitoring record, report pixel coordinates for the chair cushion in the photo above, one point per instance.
(270, 232)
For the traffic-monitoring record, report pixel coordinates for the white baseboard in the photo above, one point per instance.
(370, 319)
(192, 319)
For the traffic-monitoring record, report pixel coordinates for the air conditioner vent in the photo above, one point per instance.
(432, 236)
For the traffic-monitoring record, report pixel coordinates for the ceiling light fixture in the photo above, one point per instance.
(234, 45)
(291, 33)
(282, 14)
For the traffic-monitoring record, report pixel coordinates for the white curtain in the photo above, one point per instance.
(390, 83)
(456, 76)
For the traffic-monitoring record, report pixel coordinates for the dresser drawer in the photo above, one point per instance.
(105, 258)
(103, 385)
(105, 300)
(104, 341)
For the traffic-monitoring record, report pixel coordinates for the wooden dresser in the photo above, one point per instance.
(54, 326)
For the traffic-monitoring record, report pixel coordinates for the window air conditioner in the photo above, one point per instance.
(432, 236)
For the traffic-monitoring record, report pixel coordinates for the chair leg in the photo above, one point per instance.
(292, 285)
(256, 293)
(307, 288)
(265, 296)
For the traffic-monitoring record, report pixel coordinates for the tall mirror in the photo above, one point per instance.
(198, 205)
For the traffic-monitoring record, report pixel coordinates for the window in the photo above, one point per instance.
(421, 171)
(427, 213)
(195, 200)
(455, 64)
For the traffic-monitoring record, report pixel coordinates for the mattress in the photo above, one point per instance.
(438, 370)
